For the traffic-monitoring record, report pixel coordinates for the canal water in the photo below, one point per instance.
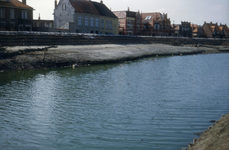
(154, 103)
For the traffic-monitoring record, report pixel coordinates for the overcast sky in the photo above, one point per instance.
(195, 11)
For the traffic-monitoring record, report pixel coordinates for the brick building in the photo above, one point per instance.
(156, 24)
(224, 31)
(211, 30)
(175, 30)
(130, 22)
(39, 23)
(185, 29)
(15, 16)
(197, 30)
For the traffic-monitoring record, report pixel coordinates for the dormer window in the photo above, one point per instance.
(64, 6)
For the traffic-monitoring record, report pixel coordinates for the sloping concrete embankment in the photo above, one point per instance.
(215, 138)
(81, 55)
(34, 57)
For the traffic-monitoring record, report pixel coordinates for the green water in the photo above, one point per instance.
(153, 103)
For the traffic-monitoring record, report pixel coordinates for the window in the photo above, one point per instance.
(148, 17)
(86, 21)
(64, 6)
(102, 24)
(2, 13)
(92, 22)
(156, 26)
(2, 26)
(50, 25)
(79, 21)
(138, 26)
(24, 15)
(97, 22)
(110, 25)
(107, 25)
(129, 25)
(11, 13)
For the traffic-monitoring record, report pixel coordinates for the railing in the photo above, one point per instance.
(96, 35)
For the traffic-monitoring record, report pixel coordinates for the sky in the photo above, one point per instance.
(194, 11)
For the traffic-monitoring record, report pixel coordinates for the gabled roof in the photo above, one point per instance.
(83, 6)
(89, 7)
(213, 27)
(195, 30)
(154, 16)
(120, 14)
(194, 25)
(224, 27)
(103, 10)
(15, 4)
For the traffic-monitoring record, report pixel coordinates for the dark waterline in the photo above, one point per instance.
(153, 103)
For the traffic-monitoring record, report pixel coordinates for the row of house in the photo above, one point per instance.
(86, 16)
(157, 24)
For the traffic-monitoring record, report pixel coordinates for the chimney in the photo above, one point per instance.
(39, 18)
(128, 9)
(101, 1)
(55, 4)
(24, 2)
(216, 23)
(210, 22)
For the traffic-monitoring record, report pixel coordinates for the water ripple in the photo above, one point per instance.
(154, 103)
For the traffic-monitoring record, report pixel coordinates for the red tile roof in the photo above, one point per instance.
(213, 27)
(15, 3)
(154, 16)
(195, 30)
(224, 27)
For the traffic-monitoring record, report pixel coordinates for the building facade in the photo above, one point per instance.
(85, 16)
(211, 30)
(15, 16)
(130, 22)
(156, 24)
(197, 30)
(224, 31)
(39, 23)
(185, 29)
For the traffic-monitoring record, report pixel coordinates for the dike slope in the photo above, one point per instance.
(34, 57)
(215, 138)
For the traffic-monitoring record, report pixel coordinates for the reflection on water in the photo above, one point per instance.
(154, 103)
